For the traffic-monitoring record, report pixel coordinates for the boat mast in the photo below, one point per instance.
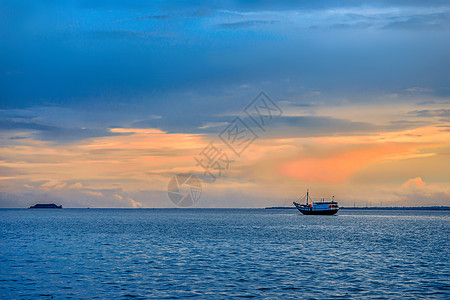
(307, 196)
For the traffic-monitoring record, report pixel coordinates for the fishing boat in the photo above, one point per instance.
(317, 208)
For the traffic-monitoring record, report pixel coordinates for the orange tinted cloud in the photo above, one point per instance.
(417, 182)
(111, 158)
(144, 159)
(337, 168)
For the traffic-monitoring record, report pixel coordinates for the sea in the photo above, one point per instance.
(223, 254)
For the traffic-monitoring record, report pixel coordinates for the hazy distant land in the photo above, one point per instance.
(377, 208)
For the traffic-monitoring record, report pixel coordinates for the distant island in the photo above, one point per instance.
(52, 205)
(377, 208)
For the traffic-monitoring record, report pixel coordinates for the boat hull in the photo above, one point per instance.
(318, 212)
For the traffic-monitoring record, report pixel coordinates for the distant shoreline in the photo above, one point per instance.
(378, 208)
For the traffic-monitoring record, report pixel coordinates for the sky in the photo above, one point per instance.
(103, 102)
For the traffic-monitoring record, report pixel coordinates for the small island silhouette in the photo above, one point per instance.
(51, 205)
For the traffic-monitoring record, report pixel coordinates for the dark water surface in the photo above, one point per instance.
(223, 253)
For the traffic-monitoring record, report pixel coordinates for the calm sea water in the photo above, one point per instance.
(223, 253)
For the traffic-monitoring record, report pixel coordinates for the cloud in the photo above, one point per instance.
(122, 34)
(249, 6)
(419, 90)
(53, 184)
(52, 133)
(154, 17)
(301, 104)
(134, 203)
(99, 167)
(313, 126)
(126, 170)
(342, 26)
(336, 160)
(145, 65)
(321, 126)
(430, 21)
(9, 172)
(76, 185)
(417, 183)
(431, 113)
(213, 124)
(337, 168)
(280, 127)
(93, 193)
(415, 192)
(244, 24)
(109, 79)
(428, 102)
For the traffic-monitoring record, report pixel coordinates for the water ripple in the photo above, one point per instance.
(179, 254)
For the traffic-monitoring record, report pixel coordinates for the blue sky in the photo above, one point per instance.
(71, 71)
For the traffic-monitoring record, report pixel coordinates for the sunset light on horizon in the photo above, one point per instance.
(104, 111)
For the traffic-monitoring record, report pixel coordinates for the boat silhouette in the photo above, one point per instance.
(51, 205)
